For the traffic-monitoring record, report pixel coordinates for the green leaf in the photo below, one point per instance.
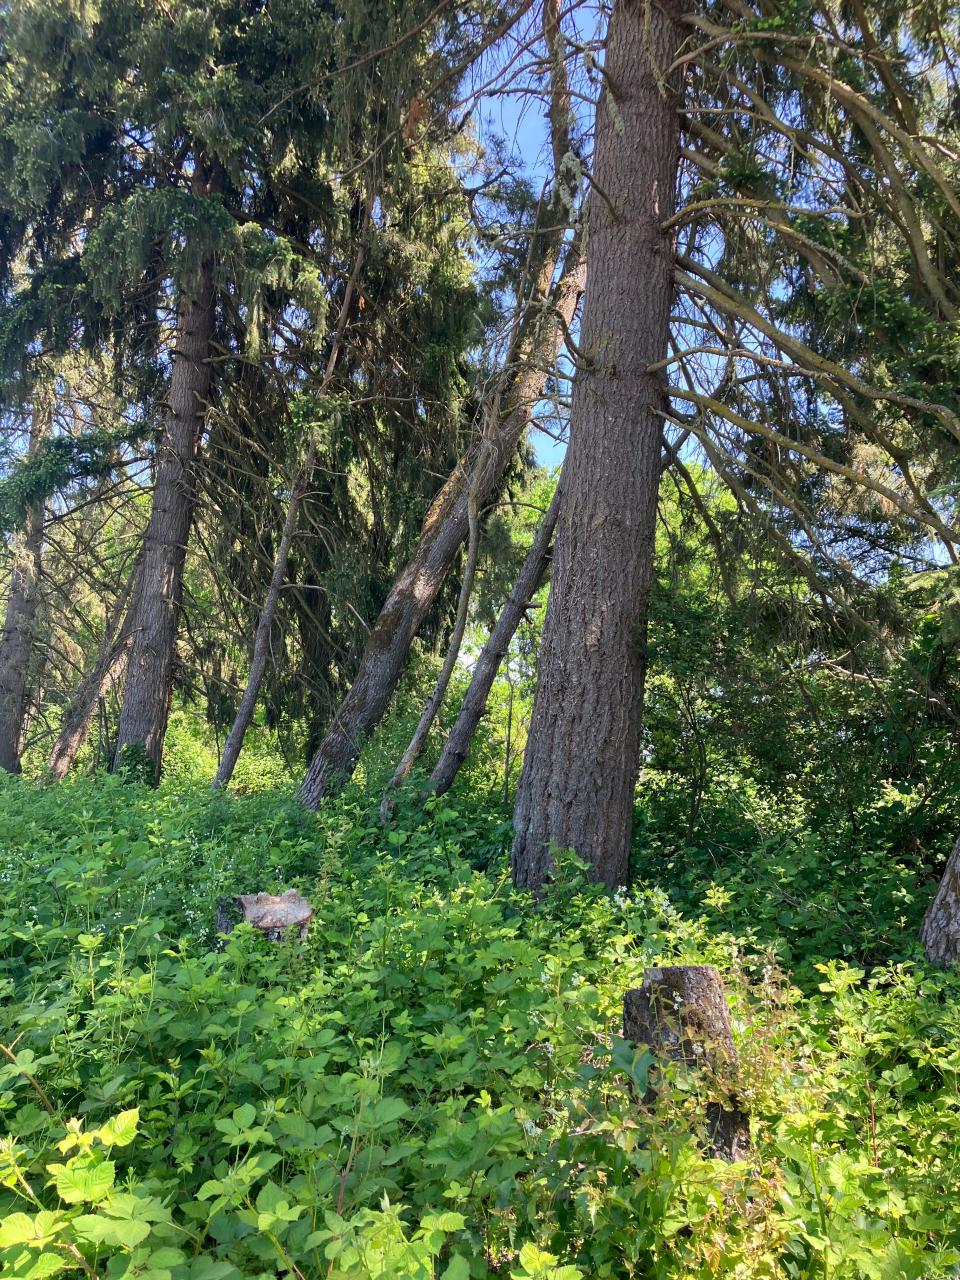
(244, 1116)
(447, 1221)
(457, 1269)
(100, 1229)
(212, 1269)
(36, 1267)
(78, 1185)
(121, 1130)
(20, 1228)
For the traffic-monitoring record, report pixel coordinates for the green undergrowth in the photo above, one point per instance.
(434, 1083)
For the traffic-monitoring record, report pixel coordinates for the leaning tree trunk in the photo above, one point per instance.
(20, 620)
(580, 767)
(458, 743)
(150, 665)
(940, 931)
(105, 672)
(445, 529)
(435, 701)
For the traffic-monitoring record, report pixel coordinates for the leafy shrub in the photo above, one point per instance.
(434, 1083)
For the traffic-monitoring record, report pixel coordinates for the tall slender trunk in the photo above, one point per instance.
(261, 639)
(105, 672)
(20, 619)
(439, 692)
(458, 743)
(150, 666)
(447, 524)
(940, 931)
(577, 784)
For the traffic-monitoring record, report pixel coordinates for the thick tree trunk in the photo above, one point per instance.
(579, 773)
(457, 746)
(105, 672)
(445, 529)
(940, 931)
(20, 619)
(150, 666)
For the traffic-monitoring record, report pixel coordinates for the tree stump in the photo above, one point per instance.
(272, 914)
(680, 1013)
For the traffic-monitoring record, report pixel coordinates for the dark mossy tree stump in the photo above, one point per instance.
(273, 914)
(680, 1013)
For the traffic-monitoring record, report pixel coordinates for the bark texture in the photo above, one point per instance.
(579, 773)
(457, 746)
(680, 1013)
(150, 665)
(940, 931)
(445, 529)
(20, 619)
(108, 668)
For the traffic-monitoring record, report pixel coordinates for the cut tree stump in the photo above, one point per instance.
(680, 1013)
(272, 914)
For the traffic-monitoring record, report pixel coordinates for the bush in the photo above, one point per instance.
(434, 1083)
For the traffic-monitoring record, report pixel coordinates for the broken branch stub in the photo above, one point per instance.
(273, 914)
(680, 1013)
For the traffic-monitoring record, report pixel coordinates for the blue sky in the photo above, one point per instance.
(520, 121)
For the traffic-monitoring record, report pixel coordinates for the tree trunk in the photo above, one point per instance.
(457, 746)
(680, 1013)
(261, 645)
(261, 639)
(446, 527)
(150, 666)
(940, 931)
(579, 772)
(435, 701)
(105, 672)
(20, 620)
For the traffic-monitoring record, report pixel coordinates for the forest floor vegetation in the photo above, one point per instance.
(434, 1083)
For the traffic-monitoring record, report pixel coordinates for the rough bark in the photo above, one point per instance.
(579, 773)
(458, 743)
(150, 665)
(680, 1013)
(20, 619)
(105, 672)
(446, 527)
(940, 931)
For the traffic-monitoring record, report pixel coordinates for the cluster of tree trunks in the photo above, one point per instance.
(579, 772)
(457, 745)
(447, 523)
